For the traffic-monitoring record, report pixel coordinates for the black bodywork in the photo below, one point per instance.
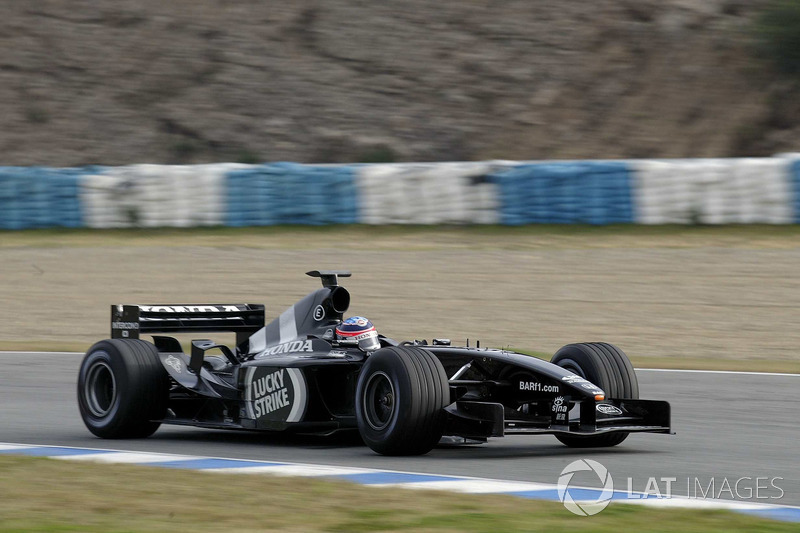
(292, 375)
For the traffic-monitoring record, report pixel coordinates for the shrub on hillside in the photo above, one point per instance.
(778, 31)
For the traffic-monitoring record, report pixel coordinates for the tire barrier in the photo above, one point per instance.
(715, 191)
(36, 197)
(288, 193)
(432, 193)
(565, 193)
(700, 191)
(156, 196)
(795, 178)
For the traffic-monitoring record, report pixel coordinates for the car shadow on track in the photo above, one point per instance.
(351, 442)
(533, 449)
(342, 439)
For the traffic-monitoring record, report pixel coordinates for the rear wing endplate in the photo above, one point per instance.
(128, 321)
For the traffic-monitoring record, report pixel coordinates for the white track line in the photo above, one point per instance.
(473, 486)
(735, 372)
(15, 446)
(126, 458)
(11, 352)
(298, 470)
(744, 373)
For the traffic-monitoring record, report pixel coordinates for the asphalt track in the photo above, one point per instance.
(730, 426)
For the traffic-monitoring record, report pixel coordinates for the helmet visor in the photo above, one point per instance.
(370, 343)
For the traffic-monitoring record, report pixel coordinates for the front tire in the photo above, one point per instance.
(609, 368)
(400, 397)
(122, 389)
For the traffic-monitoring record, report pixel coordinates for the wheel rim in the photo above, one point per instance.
(379, 401)
(100, 390)
(572, 366)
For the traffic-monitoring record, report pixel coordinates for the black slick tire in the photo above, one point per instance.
(122, 389)
(400, 397)
(609, 368)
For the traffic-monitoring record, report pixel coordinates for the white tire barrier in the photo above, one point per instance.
(428, 193)
(156, 196)
(714, 191)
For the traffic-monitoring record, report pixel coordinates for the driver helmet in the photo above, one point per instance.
(359, 331)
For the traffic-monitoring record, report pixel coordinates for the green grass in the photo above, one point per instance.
(45, 495)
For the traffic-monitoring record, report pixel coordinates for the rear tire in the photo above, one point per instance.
(609, 368)
(400, 397)
(122, 389)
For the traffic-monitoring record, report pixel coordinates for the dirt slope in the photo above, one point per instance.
(188, 81)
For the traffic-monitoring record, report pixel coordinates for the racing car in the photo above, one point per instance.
(310, 370)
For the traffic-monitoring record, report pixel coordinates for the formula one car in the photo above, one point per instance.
(312, 371)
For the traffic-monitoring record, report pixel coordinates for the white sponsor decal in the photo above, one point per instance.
(573, 379)
(188, 308)
(559, 408)
(558, 405)
(269, 393)
(608, 409)
(535, 386)
(337, 353)
(287, 347)
(125, 325)
(319, 313)
(174, 362)
(275, 394)
(363, 336)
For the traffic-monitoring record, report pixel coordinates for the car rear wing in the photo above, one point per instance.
(128, 321)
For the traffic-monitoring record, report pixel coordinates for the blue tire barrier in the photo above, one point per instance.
(794, 172)
(39, 197)
(565, 193)
(289, 193)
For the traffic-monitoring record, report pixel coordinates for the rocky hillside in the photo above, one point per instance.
(91, 82)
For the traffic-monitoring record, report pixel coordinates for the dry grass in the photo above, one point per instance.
(694, 297)
(531, 237)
